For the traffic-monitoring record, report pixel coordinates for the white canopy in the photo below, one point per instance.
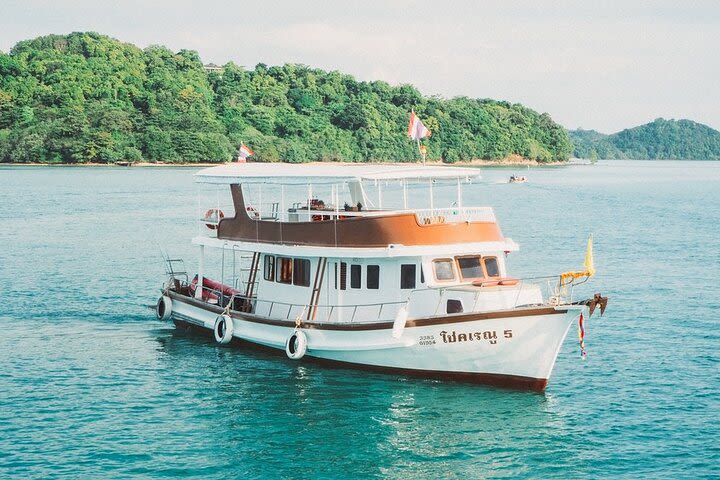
(302, 173)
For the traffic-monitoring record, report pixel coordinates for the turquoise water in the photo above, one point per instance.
(91, 385)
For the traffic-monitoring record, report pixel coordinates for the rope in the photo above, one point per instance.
(298, 319)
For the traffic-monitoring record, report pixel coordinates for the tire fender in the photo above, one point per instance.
(223, 329)
(163, 309)
(296, 345)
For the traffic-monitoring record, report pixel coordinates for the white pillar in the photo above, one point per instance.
(404, 184)
(432, 200)
(459, 193)
(309, 201)
(201, 270)
(259, 209)
(281, 209)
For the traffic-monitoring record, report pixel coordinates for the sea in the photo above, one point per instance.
(93, 386)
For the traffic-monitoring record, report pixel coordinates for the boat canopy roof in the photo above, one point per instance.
(315, 173)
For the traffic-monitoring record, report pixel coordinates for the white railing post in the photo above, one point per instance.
(404, 184)
(201, 269)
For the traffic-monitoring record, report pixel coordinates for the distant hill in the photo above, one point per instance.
(86, 97)
(661, 139)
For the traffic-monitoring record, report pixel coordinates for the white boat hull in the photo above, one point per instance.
(513, 348)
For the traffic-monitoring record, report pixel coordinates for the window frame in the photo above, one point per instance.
(279, 271)
(304, 270)
(414, 277)
(451, 261)
(355, 274)
(481, 266)
(343, 275)
(375, 276)
(269, 261)
(497, 265)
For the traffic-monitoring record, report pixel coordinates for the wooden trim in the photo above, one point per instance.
(419, 322)
(361, 232)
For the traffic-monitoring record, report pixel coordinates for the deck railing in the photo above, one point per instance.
(425, 216)
(551, 293)
(520, 294)
(277, 310)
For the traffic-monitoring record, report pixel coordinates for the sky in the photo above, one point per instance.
(601, 65)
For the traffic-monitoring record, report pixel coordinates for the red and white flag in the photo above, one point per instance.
(416, 129)
(244, 152)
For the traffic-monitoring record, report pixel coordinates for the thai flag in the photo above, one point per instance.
(244, 152)
(416, 129)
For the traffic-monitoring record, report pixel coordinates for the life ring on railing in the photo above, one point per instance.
(296, 345)
(252, 213)
(213, 215)
(163, 309)
(223, 329)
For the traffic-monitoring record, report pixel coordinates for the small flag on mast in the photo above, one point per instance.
(244, 152)
(416, 129)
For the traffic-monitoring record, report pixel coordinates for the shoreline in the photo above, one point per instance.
(505, 162)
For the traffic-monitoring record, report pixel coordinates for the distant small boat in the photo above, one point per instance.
(124, 164)
(517, 179)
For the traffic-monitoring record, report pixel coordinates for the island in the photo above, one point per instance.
(88, 98)
(658, 140)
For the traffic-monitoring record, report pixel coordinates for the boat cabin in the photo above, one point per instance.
(351, 243)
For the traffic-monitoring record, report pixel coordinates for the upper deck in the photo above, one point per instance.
(349, 206)
(326, 173)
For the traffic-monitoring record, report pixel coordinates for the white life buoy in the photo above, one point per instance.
(163, 309)
(223, 329)
(296, 345)
(214, 215)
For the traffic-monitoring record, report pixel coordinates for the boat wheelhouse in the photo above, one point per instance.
(374, 266)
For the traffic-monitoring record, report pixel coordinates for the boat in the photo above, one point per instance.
(517, 179)
(366, 266)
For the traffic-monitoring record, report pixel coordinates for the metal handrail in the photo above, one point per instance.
(555, 294)
(450, 213)
(290, 306)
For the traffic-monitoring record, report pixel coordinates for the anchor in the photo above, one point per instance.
(597, 301)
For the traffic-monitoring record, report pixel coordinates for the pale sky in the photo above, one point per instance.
(603, 65)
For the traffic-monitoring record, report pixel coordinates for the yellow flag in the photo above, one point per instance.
(568, 277)
(589, 267)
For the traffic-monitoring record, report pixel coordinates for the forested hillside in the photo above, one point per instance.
(85, 97)
(661, 139)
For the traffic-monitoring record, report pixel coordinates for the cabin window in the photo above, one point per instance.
(301, 272)
(373, 277)
(491, 266)
(343, 275)
(269, 268)
(454, 306)
(355, 276)
(407, 276)
(470, 267)
(444, 269)
(284, 272)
